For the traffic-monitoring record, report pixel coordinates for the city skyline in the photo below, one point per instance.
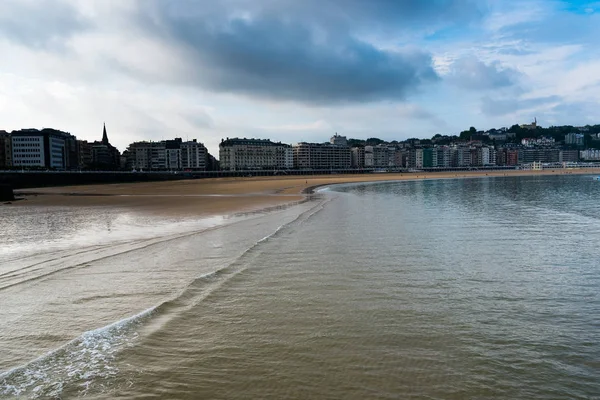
(293, 71)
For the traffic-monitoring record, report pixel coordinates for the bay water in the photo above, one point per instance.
(485, 288)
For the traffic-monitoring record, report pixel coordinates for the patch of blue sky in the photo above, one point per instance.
(580, 6)
(451, 34)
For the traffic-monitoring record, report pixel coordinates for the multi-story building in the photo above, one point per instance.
(429, 157)
(247, 154)
(48, 148)
(528, 156)
(321, 156)
(104, 155)
(507, 156)
(338, 140)
(5, 150)
(173, 159)
(590, 155)
(573, 138)
(401, 158)
(415, 158)
(194, 156)
(380, 156)
(147, 156)
(463, 156)
(482, 156)
(357, 157)
(443, 156)
(568, 156)
(84, 153)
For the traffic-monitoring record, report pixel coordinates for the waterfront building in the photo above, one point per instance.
(443, 156)
(463, 156)
(194, 156)
(84, 154)
(5, 150)
(104, 155)
(429, 158)
(321, 156)
(568, 156)
(528, 156)
(482, 156)
(380, 156)
(173, 154)
(415, 158)
(476, 157)
(48, 148)
(247, 154)
(147, 156)
(507, 156)
(357, 157)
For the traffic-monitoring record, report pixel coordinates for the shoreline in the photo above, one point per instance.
(228, 196)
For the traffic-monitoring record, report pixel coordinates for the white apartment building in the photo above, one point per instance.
(194, 155)
(321, 156)
(167, 155)
(248, 154)
(147, 156)
(590, 155)
(357, 157)
(418, 158)
(28, 151)
(380, 156)
(34, 148)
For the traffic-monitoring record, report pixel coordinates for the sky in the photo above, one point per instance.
(294, 71)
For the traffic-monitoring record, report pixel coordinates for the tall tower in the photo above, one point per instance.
(104, 135)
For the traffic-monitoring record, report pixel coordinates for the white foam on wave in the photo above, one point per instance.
(80, 361)
(90, 358)
(98, 229)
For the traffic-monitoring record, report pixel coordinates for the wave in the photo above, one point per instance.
(83, 359)
(80, 364)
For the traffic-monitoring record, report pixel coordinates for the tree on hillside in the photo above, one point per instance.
(356, 143)
(374, 141)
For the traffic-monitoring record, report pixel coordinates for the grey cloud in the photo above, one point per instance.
(306, 51)
(329, 14)
(501, 107)
(41, 24)
(471, 73)
(416, 112)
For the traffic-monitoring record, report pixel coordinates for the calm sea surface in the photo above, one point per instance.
(440, 289)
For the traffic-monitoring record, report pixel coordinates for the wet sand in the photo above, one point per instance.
(225, 196)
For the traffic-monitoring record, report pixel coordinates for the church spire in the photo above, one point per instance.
(104, 135)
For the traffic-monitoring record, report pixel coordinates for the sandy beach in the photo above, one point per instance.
(226, 196)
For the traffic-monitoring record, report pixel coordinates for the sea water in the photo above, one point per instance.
(440, 289)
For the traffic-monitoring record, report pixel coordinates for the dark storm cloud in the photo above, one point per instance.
(307, 51)
(42, 24)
